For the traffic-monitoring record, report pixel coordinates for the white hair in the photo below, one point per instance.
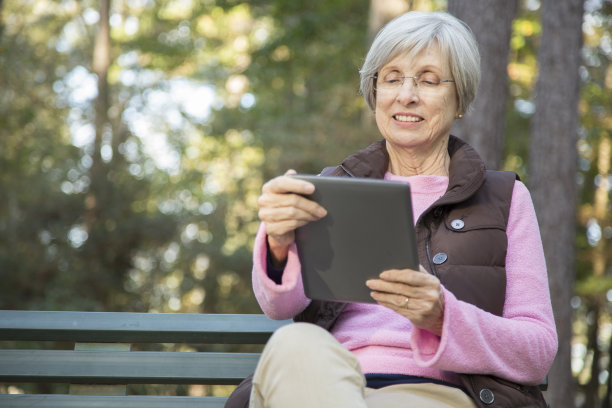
(414, 31)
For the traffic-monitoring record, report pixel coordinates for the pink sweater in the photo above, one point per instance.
(519, 346)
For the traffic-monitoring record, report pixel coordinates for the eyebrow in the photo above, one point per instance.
(425, 68)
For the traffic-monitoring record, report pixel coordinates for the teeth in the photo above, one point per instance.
(404, 118)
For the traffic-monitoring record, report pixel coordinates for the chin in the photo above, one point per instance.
(407, 141)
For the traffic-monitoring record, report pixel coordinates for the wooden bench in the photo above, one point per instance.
(101, 363)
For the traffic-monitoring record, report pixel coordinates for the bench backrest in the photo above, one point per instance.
(102, 355)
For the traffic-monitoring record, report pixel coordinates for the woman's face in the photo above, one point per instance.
(416, 116)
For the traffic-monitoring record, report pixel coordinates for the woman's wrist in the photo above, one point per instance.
(278, 252)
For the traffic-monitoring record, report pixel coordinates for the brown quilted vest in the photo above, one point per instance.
(461, 237)
(462, 240)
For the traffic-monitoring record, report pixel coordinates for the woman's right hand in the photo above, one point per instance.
(282, 209)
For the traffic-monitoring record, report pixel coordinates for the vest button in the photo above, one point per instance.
(486, 396)
(457, 224)
(440, 258)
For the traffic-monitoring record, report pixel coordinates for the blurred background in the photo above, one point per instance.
(136, 135)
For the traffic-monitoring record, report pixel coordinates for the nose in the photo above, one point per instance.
(408, 92)
(411, 80)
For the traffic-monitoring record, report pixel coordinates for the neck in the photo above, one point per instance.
(411, 161)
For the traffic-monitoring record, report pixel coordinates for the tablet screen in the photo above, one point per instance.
(368, 229)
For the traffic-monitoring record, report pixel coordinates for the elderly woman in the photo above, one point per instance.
(468, 327)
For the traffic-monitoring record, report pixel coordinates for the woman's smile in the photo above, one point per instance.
(407, 118)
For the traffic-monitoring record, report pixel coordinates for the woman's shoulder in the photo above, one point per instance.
(522, 209)
(520, 192)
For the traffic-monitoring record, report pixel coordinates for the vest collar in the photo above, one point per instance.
(466, 172)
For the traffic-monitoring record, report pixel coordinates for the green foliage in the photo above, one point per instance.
(305, 82)
(596, 100)
(208, 99)
(522, 73)
(170, 230)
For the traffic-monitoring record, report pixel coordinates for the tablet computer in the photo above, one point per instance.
(368, 229)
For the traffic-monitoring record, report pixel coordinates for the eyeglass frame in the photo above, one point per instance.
(403, 78)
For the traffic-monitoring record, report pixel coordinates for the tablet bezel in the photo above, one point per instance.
(369, 228)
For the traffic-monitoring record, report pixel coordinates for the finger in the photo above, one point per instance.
(424, 292)
(380, 285)
(396, 289)
(274, 200)
(290, 205)
(280, 214)
(278, 230)
(391, 300)
(409, 277)
(418, 307)
(287, 184)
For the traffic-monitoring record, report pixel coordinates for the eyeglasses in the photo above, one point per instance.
(426, 82)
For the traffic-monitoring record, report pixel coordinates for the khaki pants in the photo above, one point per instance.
(304, 366)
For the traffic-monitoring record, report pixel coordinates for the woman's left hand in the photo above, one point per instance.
(417, 295)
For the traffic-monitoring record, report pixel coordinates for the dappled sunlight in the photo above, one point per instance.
(144, 197)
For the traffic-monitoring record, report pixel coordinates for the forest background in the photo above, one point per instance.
(136, 135)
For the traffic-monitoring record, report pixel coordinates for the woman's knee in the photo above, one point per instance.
(305, 362)
(310, 345)
(306, 335)
(293, 347)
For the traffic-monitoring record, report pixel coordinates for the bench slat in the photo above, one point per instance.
(121, 367)
(124, 327)
(91, 401)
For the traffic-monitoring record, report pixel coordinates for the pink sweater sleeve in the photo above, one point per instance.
(277, 301)
(519, 346)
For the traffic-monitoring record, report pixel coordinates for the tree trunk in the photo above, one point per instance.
(483, 126)
(101, 61)
(552, 171)
(381, 12)
(1, 19)
(598, 300)
(100, 65)
(607, 399)
(591, 388)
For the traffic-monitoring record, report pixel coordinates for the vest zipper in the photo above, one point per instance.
(431, 264)
(347, 171)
